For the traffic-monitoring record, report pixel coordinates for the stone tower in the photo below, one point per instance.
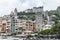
(39, 17)
(14, 21)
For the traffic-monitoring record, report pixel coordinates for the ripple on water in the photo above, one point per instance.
(13, 38)
(9, 38)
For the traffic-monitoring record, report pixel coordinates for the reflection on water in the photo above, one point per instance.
(14, 38)
(8, 38)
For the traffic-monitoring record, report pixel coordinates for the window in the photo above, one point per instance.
(16, 22)
(13, 17)
(8, 23)
(26, 24)
(30, 25)
(8, 26)
(13, 20)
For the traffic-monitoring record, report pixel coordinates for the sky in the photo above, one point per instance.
(6, 6)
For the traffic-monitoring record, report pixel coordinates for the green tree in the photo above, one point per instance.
(54, 30)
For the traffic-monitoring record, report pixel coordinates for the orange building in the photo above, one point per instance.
(31, 25)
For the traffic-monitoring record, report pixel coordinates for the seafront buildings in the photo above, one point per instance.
(38, 15)
(11, 23)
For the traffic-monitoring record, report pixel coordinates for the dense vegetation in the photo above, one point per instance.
(23, 15)
(54, 30)
(28, 36)
(55, 17)
(56, 14)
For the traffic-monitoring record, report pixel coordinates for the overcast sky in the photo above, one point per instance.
(6, 6)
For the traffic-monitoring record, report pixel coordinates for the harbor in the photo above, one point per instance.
(29, 19)
(24, 38)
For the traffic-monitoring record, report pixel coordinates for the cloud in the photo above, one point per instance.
(6, 6)
(51, 4)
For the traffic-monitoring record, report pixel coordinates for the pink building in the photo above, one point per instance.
(3, 25)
